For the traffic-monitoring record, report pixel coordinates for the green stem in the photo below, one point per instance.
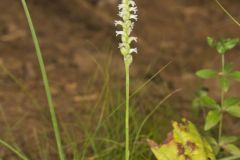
(46, 83)
(127, 153)
(222, 100)
(18, 153)
(220, 129)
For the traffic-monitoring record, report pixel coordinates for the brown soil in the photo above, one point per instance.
(77, 36)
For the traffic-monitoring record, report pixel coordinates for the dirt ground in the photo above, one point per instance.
(78, 36)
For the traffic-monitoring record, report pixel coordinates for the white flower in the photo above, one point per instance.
(134, 16)
(134, 10)
(116, 23)
(131, 39)
(119, 33)
(121, 14)
(133, 50)
(132, 3)
(121, 6)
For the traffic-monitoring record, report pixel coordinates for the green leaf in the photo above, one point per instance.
(196, 103)
(211, 42)
(235, 75)
(231, 101)
(212, 119)
(224, 84)
(225, 45)
(203, 91)
(214, 144)
(205, 101)
(228, 67)
(228, 139)
(206, 73)
(234, 111)
(209, 102)
(232, 149)
(212, 140)
(221, 48)
(231, 43)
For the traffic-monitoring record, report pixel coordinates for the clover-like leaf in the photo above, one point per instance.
(206, 73)
(212, 119)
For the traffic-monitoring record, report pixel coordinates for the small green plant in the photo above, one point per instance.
(127, 12)
(223, 145)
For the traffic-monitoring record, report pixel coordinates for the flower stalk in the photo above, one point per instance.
(127, 13)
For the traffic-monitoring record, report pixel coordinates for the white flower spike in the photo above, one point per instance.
(128, 13)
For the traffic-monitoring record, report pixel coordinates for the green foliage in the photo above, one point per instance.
(235, 75)
(232, 149)
(224, 83)
(212, 119)
(223, 45)
(231, 101)
(223, 145)
(207, 101)
(228, 67)
(230, 105)
(184, 142)
(234, 111)
(197, 102)
(206, 73)
(227, 140)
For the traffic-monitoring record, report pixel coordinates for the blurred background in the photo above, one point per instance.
(84, 64)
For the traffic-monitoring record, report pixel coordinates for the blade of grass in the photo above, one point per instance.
(21, 86)
(139, 89)
(150, 79)
(18, 153)
(41, 145)
(230, 158)
(103, 96)
(229, 14)
(150, 114)
(46, 83)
